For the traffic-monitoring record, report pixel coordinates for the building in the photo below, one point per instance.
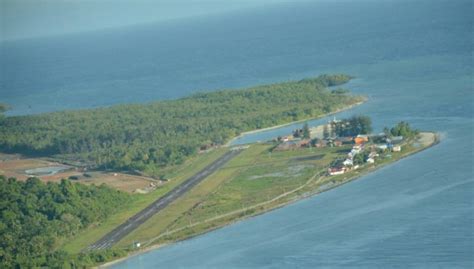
(382, 147)
(321, 143)
(397, 148)
(370, 160)
(293, 144)
(395, 139)
(346, 139)
(361, 139)
(373, 154)
(348, 162)
(336, 171)
(337, 143)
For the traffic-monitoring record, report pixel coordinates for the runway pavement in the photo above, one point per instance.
(132, 223)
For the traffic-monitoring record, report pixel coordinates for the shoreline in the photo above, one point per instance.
(434, 140)
(228, 144)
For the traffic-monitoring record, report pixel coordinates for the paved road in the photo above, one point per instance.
(132, 223)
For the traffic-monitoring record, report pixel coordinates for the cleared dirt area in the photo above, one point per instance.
(14, 166)
(123, 182)
(17, 167)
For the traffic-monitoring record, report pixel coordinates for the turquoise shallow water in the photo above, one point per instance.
(413, 59)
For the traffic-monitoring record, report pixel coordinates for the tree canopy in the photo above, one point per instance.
(353, 126)
(36, 217)
(403, 129)
(146, 136)
(306, 131)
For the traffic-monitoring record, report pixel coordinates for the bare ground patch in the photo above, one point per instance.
(15, 167)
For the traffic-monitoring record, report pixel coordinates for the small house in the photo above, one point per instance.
(336, 171)
(305, 143)
(337, 143)
(347, 162)
(370, 160)
(361, 139)
(373, 154)
(382, 147)
(355, 151)
(293, 144)
(346, 139)
(395, 139)
(321, 144)
(397, 148)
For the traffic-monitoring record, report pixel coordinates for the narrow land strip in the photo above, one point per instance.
(309, 188)
(125, 228)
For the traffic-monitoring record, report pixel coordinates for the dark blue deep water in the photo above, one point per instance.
(414, 60)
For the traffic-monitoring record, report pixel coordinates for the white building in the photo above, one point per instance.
(383, 147)
(397, 148)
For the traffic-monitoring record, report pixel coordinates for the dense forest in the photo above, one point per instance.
(37, 217)
(147, 136)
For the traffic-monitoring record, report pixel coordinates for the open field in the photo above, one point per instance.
(136, 220)
(139, 202)
(120, 181)
(16, 167)
(255, 176)
(252, 183)
(129, 183)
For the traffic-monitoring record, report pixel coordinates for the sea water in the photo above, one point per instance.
(414, 61)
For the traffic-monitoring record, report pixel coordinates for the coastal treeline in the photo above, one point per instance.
(37, 217)
(401, 129)
(147, 136)
(352, 126)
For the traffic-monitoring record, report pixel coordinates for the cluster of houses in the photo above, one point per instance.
(289, 142)
(361, 145)
(369, 146)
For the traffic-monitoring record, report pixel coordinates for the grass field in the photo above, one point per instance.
(255, 181)
(140, 201)
(254, 176)
(252, 183)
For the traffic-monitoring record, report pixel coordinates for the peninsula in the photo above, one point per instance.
(167, 173)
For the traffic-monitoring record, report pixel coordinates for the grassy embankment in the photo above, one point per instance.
(254, 182)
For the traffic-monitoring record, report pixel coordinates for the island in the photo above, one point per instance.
(153, 174)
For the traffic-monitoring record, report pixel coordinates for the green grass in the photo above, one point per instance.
(166, 218)
(140, 201)
(254, 176)
(247, 185)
